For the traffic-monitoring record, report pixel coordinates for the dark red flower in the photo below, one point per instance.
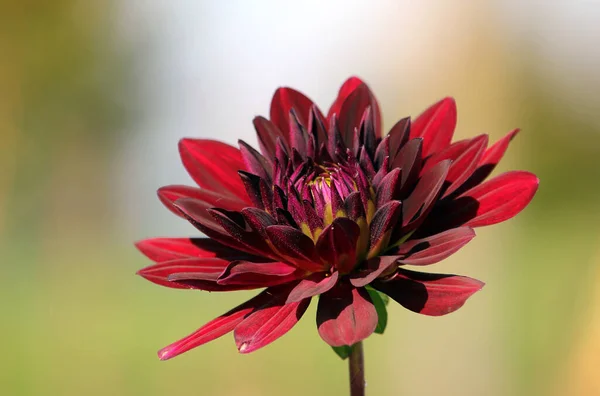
(331, 207)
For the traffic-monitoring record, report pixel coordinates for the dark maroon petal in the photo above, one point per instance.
(317, 127)
(352, 110)
(345, 315)
(384, 221)
(425, 193)
(167, 249)
(204, 269)
(169, 194)
(267, 324)
(381, 152)
(494, 201)
(298, 135)
(312, 286)
(398, 136)
(436, 126)
(259, 220)
(258, 274)
(335, 142)
(409, 160)
(215, 328)
(284, 100)
(435, 248)
(255, 162)
(490, 159)
(267, 134)
(213, 165)
(295, 246)
(345, 90)
(258, 190)
(389, 187)
(337, 244)
(354, 206)
(235, 224)
(463, 167)
(429, 294)
(372, 269)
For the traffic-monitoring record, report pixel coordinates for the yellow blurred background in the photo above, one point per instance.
(94, 96)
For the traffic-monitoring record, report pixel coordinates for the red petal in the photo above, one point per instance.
(337, 244)
(496, 200)
(398, 136)
(463, 167)
(169, 194)
(435, 248)
(255, 162)
(425, 193)
(352, 111)
(409, 160)
(436, 126)
(384, 221)
(213, 165)
(346, 315)
(258, 274)
(215, 328)
(206, 270)
(372, 270)
(313, 285)
(429, 294)
(267, 324)
(284, 100)
(298, 248)
(167, 249)
(346, 89)
(267, 134)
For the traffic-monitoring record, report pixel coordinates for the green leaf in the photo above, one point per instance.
(342, 351)
(380, 302)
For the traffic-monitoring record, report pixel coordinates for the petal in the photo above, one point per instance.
(435, 248)
(167, 249)
(425, 193)
(490, 159)
(372, 270)
(267, 134)
(337, 244)
(254, 162)
(384, 221)
(169, 194)
(494, 201)
(295, 246)
(429, 294)
(284, 100)
(409, 160)
(398, 136)
(213, 165)
(313, 285)
(345, 315)
(215, 328)
(205, 270)
(235, 224)
(436, 126)
(267, 324)
(352, 111)
(463, 167)
(258, 274)
(346, 89)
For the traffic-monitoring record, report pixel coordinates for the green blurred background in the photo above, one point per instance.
(94, 96)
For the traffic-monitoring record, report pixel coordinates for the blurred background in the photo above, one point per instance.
(94, 96)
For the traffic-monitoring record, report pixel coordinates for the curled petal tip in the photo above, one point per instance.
(165, 353)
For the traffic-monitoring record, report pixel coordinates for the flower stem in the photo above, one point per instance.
(356, 368)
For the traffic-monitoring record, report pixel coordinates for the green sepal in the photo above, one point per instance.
(342, 351)
(379, 300)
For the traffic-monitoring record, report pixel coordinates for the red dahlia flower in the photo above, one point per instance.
(331, 207)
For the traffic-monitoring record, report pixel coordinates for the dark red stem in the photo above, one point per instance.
(356, 367)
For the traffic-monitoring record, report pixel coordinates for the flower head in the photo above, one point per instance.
(331, 207)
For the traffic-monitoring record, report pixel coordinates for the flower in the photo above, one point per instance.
(331, 207)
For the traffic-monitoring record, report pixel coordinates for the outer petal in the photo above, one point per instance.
(167, 249)
(494, 201)
(346, 315)
(313, 285)
(346, 89)
(295, 247)
(169, 194)
(267, 134)
(267, 324)
(213, 165)
(258, 274)
(215, 328)
(337, 244)
(429, 294)
(435, 248)
(286, 99)
(436, 126)
(204, 270)
(373, 268)
(352, 111)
